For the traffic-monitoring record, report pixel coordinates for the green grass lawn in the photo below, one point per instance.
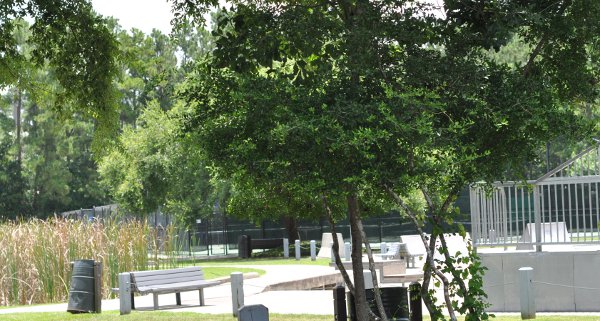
(188, 316)
(213, 272)
(259, 261)
(149, 316)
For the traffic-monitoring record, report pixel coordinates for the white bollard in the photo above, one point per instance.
(527, 293)
(286, 248)
(124, 293)
(347, 251)
(332, 253)
(383, 247)
(297, 245)
(368, 280)
(313, 250)
(237, 291)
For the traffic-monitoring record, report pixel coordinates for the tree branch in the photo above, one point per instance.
(336, 246)
(373, 273)
(430, 248)
(541, 43)
(455, 273)
(536, 52)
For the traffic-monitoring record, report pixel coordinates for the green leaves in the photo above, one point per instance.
(79, 49)
(156, 166)
(333, 98)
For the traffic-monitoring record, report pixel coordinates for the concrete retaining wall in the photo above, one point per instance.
(565, 270)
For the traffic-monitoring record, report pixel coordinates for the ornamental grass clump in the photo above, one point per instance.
(36, 255)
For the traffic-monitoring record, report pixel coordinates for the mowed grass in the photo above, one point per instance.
(189, 316)
(214, 272)
(150, 316)
(259, 261)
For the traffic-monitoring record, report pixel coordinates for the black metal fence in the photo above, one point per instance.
(218, 235)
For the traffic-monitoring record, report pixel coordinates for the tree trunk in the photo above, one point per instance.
(336, 248)
(291, 226)
(378, 301)
(430, 268)
(17, 114)
(360, 298)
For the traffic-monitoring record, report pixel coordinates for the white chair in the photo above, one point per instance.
(414, 247)
(392, 252)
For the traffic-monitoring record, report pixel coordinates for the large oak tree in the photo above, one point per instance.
(374, 100)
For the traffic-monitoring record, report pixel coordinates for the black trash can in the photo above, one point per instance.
(244, 247)
(370, 293)
(339, 303)
(394, 300)
(395, 303)
(85, 291)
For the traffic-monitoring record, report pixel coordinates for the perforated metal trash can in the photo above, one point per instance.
(395, 303)
(244, 248)
(394, 300)
(85, 293)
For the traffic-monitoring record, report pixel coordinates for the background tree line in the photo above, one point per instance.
(296, 108)
(48, 161)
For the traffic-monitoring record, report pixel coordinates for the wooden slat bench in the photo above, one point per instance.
(246, 244)
(266, 243)
(170, 281)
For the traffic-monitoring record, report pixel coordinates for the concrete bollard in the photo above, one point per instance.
(297, 248)
(368, 280)
(383, 247)
(347, 251)
(237, 292)
(332, 253)
(313, 250)
(286, 248)
(527, 293)
(254, 312)
(124, 293)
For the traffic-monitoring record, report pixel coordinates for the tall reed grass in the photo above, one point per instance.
(36, 255)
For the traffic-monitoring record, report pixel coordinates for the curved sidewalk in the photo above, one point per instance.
(218, 298)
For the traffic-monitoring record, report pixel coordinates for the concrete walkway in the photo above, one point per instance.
(218, 298)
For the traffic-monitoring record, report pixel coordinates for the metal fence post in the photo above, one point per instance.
(538, 218)
(527, 293)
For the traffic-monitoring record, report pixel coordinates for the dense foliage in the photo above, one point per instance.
(74, 43)
(48, 162)
(373, 100)
(294, 109)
